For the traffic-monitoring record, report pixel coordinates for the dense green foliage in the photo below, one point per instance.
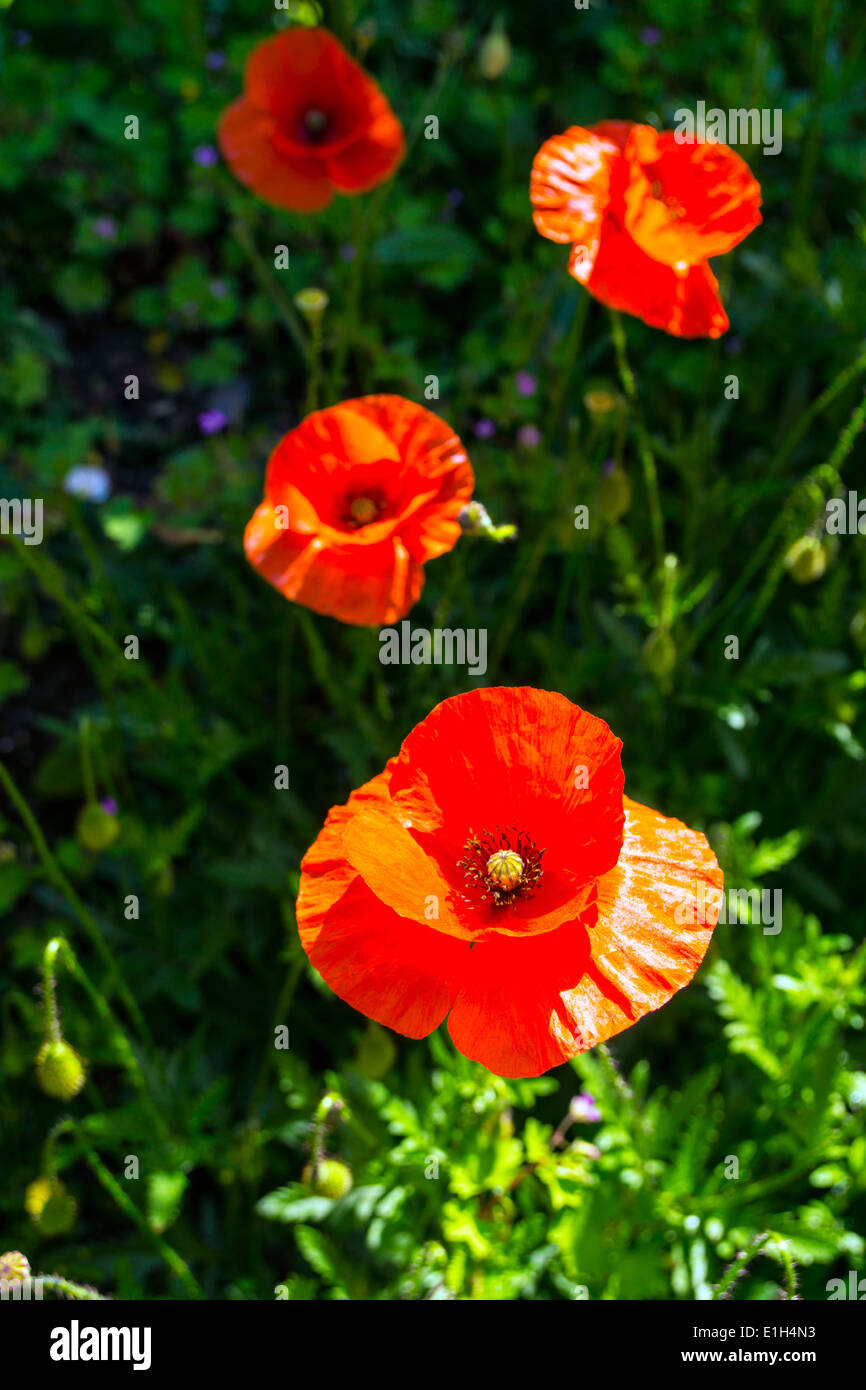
(123, 257)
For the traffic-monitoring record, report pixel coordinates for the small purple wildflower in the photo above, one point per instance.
(206, 155)
(454, 197)
(109, 805)
(105, 227)
(212, 421)
(650, 35)
(583, 1109)
(347, 251)
(526, 383)
(215, 60)
(484, 429)
(529, 436)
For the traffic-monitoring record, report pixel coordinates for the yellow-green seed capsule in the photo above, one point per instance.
(60, 1070)
(505, 869)
(14, 1267)
(312, 303)
(806, 560)
(330, 1178)
(96, 829)
(495, 53)
(614, 494)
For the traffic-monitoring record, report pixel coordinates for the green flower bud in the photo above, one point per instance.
(614, 494)
(329, 1107)
(329, 1178)
(495, 53)
(14, 1267)
(858, 630)
(60, 1071)
(95, 828)
(806, 560)
(50, 1206)
(376, 1052)
(660, 653)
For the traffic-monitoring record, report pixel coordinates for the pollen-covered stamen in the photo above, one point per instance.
(502, 868)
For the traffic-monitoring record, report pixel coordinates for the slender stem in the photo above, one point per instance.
(572, 348)
(67, 1288)
(88, 923)
(281, 302)
(175, 1262)
(837, 385)
(645, 451)
(86, 761)
(59, 949)
(739, 1266)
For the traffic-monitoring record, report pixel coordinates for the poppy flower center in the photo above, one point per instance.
(672, 206)
(363, 510)
(502, 868)
(315, 125)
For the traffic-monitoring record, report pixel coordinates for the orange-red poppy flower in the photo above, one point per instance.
(643, 214)
(311, 123)
(357, 498)
(494, 872)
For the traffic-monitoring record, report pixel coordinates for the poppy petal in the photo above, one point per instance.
(245, 135)
(397, 972)
(683, 301)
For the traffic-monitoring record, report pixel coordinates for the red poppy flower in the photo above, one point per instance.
(357, 499)
(311, 123)
(495, 873)
(643, 214)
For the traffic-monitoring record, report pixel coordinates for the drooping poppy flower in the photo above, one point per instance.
(311, 123)
(495, 873)
(643, 214)
(357, 498)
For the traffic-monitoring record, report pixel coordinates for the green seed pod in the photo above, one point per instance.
(376, 1052)
(660, 653)
(329, 1107)
(14, 1267)
(95, 828)
(614, 494)
(58, 1215)
(60, 1071)
(50, 1206)
(495, 53)
(806, 560)
(329, 1178)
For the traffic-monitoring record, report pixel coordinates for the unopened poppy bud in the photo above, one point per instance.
(495, 53)
(660, 653)
(858, 630)
(60, 1071)
(614, 493)
(312, 303)
(96, 829)
(330, 1177)
(329, 1107)
(50, 1206)
(376, 1052)
(806, 560)
(14, 1267)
